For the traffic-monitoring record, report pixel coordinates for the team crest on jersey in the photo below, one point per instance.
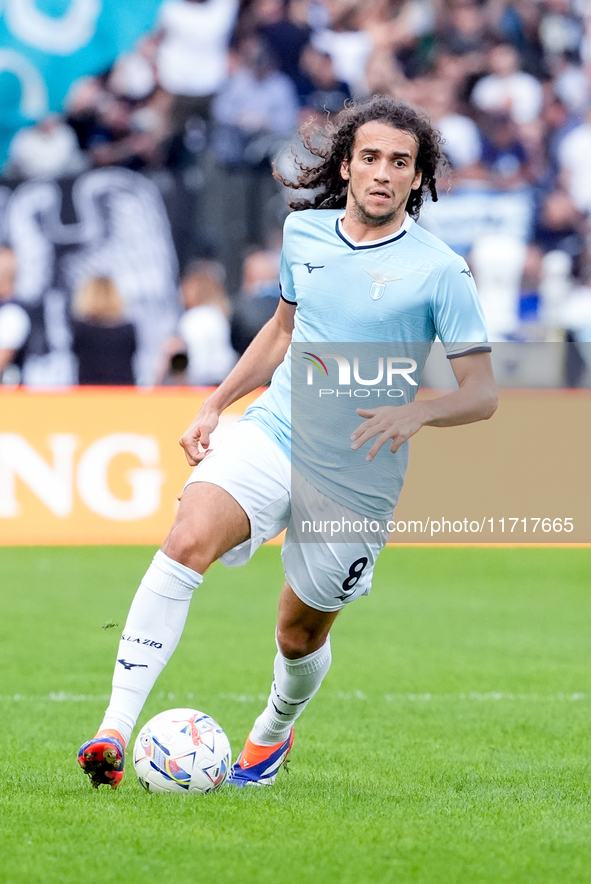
(378, 286)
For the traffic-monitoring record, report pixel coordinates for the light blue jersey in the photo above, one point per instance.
(406, 288)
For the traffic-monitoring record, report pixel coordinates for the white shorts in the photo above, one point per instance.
(254, 470)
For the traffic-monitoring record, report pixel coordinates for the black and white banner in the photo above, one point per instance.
(106, 222)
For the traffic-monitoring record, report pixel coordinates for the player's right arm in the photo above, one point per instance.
(254, 369)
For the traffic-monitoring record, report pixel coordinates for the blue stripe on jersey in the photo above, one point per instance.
(283, 298)
(372, 245)
(481, 348)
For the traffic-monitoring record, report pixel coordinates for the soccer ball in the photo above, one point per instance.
(182, 750)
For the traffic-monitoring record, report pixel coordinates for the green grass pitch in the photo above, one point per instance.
(449, 744)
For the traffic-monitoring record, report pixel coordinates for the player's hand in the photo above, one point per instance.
(195, 440)
(390, 423)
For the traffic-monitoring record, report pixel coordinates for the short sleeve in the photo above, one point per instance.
(285, 276)
(457, 312)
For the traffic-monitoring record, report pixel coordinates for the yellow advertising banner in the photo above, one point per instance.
(103, 465)
(521, 477)
(94, 465)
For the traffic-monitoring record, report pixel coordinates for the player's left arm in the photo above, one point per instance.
(475, 399)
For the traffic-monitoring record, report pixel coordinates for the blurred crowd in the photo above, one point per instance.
(220, 86)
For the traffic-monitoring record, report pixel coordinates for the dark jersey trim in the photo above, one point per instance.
(293, 303)
(370, 245)
(477, 348)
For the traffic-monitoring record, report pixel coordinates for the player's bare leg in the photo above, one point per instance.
(302, 661)
(301, 630)
(209, 522)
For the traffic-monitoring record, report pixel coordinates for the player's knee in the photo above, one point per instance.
(189, 547)
(296, 641)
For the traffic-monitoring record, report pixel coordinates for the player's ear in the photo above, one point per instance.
(345, 170)
(417, 180)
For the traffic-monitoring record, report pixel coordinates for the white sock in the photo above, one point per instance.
(294, 684)
(152, 631)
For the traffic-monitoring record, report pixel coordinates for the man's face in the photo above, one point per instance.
(381, 174)
(503, 61)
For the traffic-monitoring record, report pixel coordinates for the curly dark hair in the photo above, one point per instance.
(339, 137)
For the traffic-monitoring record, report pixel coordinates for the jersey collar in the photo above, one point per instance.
(375, 243)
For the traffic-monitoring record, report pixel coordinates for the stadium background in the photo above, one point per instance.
(157, 178)
(457, 750)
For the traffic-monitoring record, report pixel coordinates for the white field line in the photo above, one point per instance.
(347, 696)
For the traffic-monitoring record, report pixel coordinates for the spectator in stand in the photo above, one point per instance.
(573, 154)
(504, 157)
(134, 76)
(134, 133)
(517, 22)
(459, 71)
(367, 40)
(283, 27)
(192, 58)
(348, 42)
(506, 88)
(561, 27)
(462, 34)
(255, 110)
(384, 76)
(87, 98)
(103, 341)
(463, 28)
(507, 82)
(570, 84)
(175, 365)
(15, 324)
(559, 226)
(47, 150)
(319, 90)
(576, 318)
(558, 122)
(122, 118)
(258, 297)
(405, 28)
(462, 140)
(203, 331)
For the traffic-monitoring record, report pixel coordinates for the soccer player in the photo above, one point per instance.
(355, 267)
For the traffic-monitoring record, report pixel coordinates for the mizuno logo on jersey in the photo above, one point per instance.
(378, 287)
(312, 267)
(468, 273)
